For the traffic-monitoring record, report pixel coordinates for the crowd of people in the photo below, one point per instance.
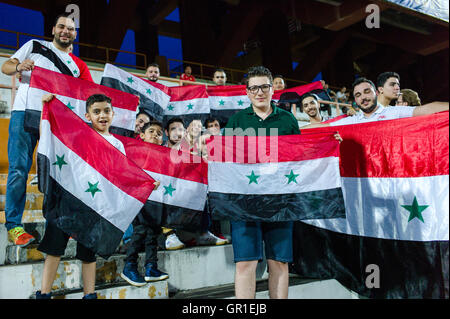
(372, 103)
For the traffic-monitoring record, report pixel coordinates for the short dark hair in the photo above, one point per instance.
(362, 80)
(210, 120)
(259, 71)
(153, 64)
(96, 98)
(278, 76)
(141, 111)
(383, 77)
(62, 15)
(219, 70)
(174, 120)
(151, 123)
(304, 96)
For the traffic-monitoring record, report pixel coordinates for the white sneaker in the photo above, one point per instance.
(208, 239)
(173, 243)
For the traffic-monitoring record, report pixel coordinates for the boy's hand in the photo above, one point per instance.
(156, 183)
(338, 137)
(47, 98)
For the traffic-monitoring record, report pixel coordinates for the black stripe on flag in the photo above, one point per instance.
(31, 121)
(38, 48)
(407, 269)
(149, 106)
(172, 216)
(319, 204)
(73, 217)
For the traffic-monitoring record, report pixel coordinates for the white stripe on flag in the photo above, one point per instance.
(313, 175)
(179, 192)
(122, 118)
(111, 203)
(238, 102)
(194, 106)
(374, 208)
(155, 94)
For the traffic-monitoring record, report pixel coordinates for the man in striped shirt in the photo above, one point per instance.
(55, 56)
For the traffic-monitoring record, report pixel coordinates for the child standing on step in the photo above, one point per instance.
(145, 233)
(100, 113)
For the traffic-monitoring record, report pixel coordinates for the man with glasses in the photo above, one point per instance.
(220, 77)
(262, 118)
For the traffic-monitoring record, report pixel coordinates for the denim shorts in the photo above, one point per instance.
(248, 237)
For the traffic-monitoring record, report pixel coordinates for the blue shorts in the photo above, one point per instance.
(247, 239)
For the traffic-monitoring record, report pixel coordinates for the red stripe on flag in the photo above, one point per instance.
(65, 85)
(300, 90)
(166, 161)
(410, 147)
(264, 149)
(97, 151)
(190, 92)
(227, 90)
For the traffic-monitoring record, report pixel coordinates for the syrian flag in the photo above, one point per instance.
(154, 97)
(188, 102)
(180, 199)
(91, 190)
(74, 92)
(275, 178)
(394, 240)
(227, 100)
(300, 90)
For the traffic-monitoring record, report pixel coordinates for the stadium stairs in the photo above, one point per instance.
(195, 272)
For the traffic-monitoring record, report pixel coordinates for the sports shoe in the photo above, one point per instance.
(90, 296)
(152, 273)
(221, 236)
(173, 243)
(208, 239)
(131, 275)
(40, 295)
(20, 237)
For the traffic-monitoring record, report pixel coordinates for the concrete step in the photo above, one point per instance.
(32, 189)
(299, 288)
(33, 201)
(23, 280)
(29, 216)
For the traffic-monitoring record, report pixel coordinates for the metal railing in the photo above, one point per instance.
(107, 51)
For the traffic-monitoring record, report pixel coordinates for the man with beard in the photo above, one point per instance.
(152, 72)
(55, 56)
(311, 107)
(364, 92)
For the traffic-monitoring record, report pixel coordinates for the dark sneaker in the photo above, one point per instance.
(90, 296)
(132, 276)
(152, 273)
(40, 295)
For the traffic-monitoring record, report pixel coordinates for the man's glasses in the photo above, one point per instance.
(255, 88)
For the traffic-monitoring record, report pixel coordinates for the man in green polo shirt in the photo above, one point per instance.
(262, 118)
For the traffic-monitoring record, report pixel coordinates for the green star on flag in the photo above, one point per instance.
(253, 178)
(93, 189)
(70, 106)
(292, 177)
(190, 106)
(240, 102)
(68, 61)
(60, 161)
(221, 102)
(75, 72)
(170, 107)
(415, 210)
(130, 80)
(169, 190)
(149, 91)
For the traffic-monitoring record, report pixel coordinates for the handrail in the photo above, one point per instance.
(107, 50)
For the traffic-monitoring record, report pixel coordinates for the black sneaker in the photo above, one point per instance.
(40, 295)
(90, 296)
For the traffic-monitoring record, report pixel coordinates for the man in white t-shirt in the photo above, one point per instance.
(55, 56)
(364, 92)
